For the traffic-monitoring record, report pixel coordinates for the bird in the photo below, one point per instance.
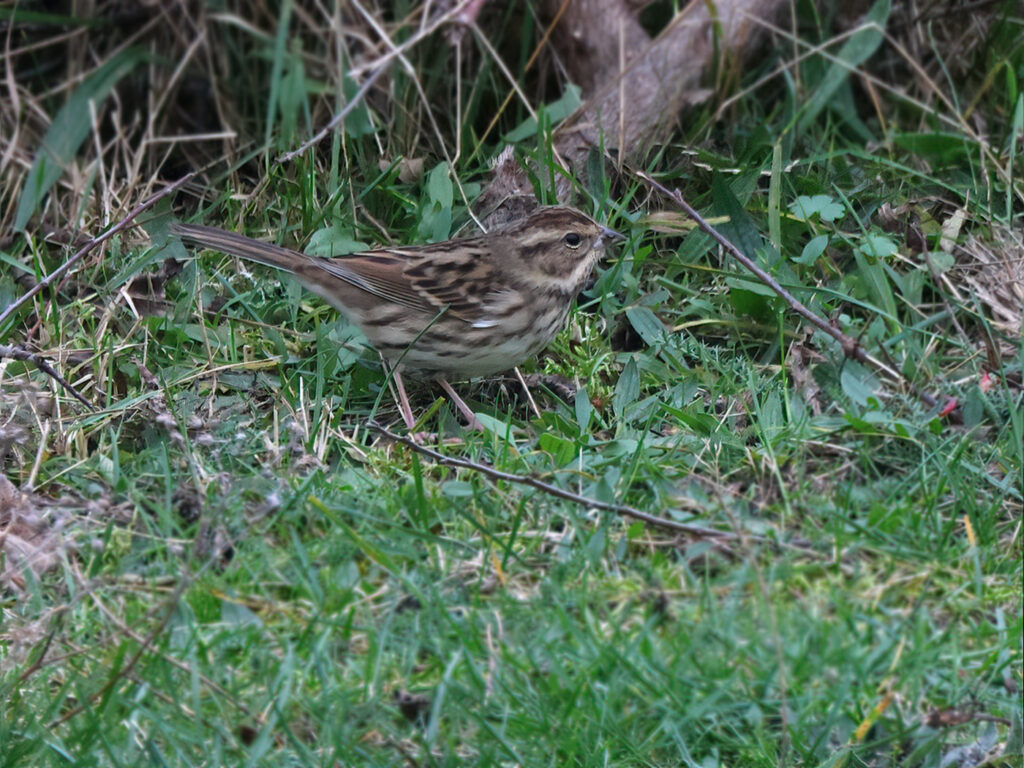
(462, 308)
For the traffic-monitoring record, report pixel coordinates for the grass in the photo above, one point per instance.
(249, 575)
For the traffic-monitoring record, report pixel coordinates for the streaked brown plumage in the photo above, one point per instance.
(460, 308)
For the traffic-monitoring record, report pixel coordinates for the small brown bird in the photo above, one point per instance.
(460, 308)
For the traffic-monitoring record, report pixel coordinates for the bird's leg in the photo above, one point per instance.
(406, 410)
(465, 410)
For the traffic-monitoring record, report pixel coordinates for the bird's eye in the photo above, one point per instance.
(572, 240)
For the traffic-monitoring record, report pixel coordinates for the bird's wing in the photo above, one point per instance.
(459, 277)
(379, 273)
(464, 279)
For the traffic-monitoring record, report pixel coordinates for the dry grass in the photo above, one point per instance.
(224, 555)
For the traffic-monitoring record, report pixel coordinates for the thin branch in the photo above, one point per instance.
(851, 347)
(552, 490)
(336, 120)
(40, 362)
(89, 246)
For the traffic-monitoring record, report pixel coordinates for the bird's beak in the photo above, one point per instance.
(611, 234)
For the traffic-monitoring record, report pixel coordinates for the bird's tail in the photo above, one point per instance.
(235, 244)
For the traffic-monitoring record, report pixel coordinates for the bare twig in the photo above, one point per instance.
(89, 246)
(952, 717)
(40, 362)
(851, 347)
(553, 490)
(354, 102)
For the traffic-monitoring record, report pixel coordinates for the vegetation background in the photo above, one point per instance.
(222, 564)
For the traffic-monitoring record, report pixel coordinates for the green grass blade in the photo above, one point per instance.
(277, 69)
(854, 52)
(69, 130)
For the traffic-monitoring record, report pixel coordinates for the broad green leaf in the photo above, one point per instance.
(872, 275)
(435, 223)
(237, 616)
(292, 97)
(442, 225)
(358, 122)
(752, 303)
(878, 247)
(846, 106)
(556, 111)
(858, 383)
(855, 51)
(69, 129)
(694, 246)
(562, 451)
(8, 291)
(647, 324)
(827, 209)
(627, 389)
(439, 186)
(334, 241)
(496, 427)
(812, 250)
(620, 448)
(942, 262)
(750, 284)
(701, 423)
(940, 148)
(458, 489)
(584, 409)
(740, 228)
